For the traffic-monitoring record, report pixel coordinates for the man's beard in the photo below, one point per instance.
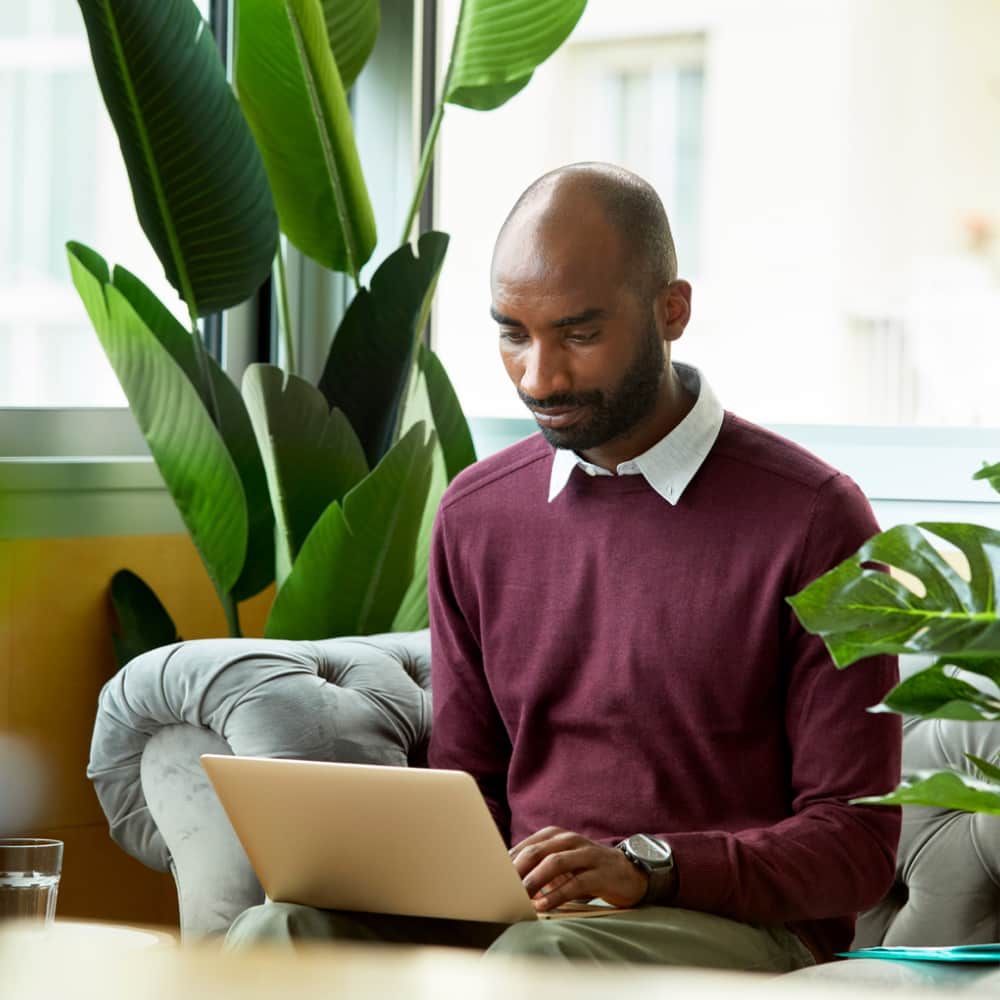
(612, 414)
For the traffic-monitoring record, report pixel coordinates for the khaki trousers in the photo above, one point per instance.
(651, 935)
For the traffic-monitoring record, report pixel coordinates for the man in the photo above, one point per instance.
(613, 659)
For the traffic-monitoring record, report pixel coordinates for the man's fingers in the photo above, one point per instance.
(550, 887)
(540, 835)
(529, 856)
(554, 865)
(577, 886)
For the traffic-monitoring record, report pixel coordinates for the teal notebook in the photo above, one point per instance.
(957, 953)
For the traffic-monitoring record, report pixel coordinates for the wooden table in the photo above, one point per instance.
(73, 965)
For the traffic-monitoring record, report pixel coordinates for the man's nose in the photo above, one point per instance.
(545, 372)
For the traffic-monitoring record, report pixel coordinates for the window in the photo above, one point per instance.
(832, 173)
(61, 178)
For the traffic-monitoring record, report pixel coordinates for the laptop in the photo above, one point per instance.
(373, 838)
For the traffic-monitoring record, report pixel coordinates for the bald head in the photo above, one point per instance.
(628, 205)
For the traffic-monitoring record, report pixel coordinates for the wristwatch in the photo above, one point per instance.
(653, 858)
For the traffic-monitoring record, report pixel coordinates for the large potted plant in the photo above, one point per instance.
(329, 489)
(860, 610)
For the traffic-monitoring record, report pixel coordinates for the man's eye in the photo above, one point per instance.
(584, 338)
(513, 336)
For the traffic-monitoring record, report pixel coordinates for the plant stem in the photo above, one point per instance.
(285, 313)
(232, 614)
(426, 159)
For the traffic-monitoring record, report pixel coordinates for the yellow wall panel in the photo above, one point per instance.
(56, 653)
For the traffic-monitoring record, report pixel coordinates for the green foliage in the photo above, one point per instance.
(141, 621)
(187, 447)
(312, 455)
(291, 92)
(860, 610)
(197, 178)
(378, 336)
(941, 790)
(356, 564)
(500, 43)
(351, 27)
(285, 489)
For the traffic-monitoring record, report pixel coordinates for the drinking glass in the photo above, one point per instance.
(29, 878)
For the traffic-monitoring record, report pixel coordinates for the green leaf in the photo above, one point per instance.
(355, 566)
(311, 455)
(991, 473)
(185, 444)
(234, 426)
(413, 612)
(499, 43)
(197, 178)
(352, 27)
(377, 337)
(141, 621)
(860, 612)
(988, 770)
(933, 694)
(293, 98)
(446, 412)
(942, 790)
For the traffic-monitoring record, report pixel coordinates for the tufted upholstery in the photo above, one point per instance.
(362, 700)
(368, 700)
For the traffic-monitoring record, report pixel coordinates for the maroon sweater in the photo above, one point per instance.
(612, 664)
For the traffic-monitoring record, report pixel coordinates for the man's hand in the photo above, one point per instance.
(556, 866)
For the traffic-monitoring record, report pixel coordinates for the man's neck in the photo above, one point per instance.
(672, 406)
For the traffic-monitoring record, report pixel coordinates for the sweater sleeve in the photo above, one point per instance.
(467, 733)
(828, 858)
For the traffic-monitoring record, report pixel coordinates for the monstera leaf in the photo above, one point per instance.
(311, 454)
(860, 611)
(357, 561)
(498, 45)
(941, 790)
(378, 336)
(293, 97)
(199, 185)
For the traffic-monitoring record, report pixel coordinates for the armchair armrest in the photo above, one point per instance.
(359, 699)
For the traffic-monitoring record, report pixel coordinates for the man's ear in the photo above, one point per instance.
(673, 309)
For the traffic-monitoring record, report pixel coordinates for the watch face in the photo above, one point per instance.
(648, 849)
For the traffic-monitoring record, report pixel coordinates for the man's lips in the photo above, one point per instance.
(558, 416)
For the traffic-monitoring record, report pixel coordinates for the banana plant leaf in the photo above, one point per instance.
(197, 178)
(991, 473)
(141, 621)
(311, 455)
(185, 444)
(986, 768)
(941, 790)
(294, 100)
(378, 336)
(351, 28)
(499, 43)
(434, 401)
(234, 426)
(356, 564)
(860, 611)
(446, 414)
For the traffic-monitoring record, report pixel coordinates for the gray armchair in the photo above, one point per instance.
(367, 700)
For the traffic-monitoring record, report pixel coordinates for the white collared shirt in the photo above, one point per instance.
(672, 462)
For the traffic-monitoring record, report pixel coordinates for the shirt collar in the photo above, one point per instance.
(672, 462)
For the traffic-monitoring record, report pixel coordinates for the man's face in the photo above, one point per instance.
(582, 351)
